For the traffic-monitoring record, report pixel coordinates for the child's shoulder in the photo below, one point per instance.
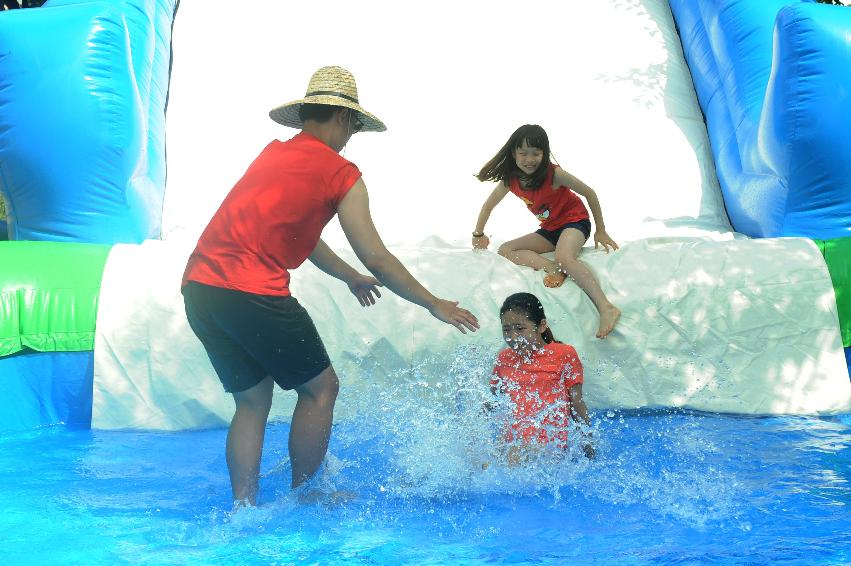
(563, 350)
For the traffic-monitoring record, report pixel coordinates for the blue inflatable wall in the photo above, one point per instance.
(82, 112)
(39, 389)
(774, 80)
(83, 91)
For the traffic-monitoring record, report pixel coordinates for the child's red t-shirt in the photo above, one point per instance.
(538, 388)
(272, 219)
(553, 206)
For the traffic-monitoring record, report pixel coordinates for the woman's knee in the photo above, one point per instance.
(323, 388)
(330, 388)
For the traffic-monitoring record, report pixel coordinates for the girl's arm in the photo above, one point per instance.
(562, 178)
(482, 242)
(579, 412)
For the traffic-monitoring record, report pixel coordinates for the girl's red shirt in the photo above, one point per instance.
(553, 206)
(538, 388)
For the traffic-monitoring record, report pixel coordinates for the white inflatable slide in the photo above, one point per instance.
(711, 320)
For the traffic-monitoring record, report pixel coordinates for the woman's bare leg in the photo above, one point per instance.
(567, 253)
(311, 424)
(245, 440)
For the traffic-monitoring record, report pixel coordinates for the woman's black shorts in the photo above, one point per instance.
(552, 236)
(248, 337)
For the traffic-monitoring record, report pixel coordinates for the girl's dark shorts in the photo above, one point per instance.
(552, 236)
(248, 337)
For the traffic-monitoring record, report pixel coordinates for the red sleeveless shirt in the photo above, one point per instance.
(272, 219)
(553, 206)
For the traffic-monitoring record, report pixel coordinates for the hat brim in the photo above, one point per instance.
(287, 114)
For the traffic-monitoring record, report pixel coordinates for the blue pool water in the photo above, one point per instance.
(667, 488)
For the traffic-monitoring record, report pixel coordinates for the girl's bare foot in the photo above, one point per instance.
(554, 279)
(608, 319)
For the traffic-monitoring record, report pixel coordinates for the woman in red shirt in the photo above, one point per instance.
(523, 167)
(236, 284)
(541, 376)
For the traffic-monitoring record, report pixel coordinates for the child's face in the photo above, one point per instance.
(528, 159)
(521, 334)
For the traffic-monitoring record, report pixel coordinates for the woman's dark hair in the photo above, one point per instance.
(318, 112)
(528, 304)
(503, 166)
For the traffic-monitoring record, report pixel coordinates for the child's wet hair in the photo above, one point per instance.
(531, 306)
(503, 166)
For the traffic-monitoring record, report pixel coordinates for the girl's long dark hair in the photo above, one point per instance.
(528, 304)
(503, 166)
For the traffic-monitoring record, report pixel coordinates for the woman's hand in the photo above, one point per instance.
(450, 313)
(602, 238)
(364, 287)
(481, 242)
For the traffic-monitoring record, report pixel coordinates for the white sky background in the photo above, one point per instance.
(452, 80)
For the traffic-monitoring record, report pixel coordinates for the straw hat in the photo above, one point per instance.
(334, 86)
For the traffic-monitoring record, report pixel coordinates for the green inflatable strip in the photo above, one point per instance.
(837, 256)
(49, 295)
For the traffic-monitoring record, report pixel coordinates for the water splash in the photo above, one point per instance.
(422, 438)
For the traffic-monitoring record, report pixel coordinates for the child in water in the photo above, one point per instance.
(541, 376)
(523, 167)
